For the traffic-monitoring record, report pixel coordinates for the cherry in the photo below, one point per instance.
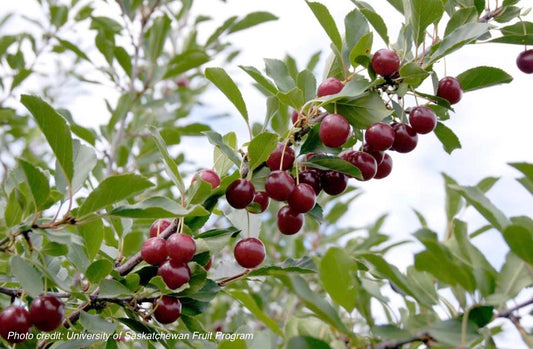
(154, 251)
(524, 61)
(249, 252)
(158, 227)
(167, 309)
(174, 274)
(365, 163)
(385, 62)
(330, 86)
(261, 198)
(405, 139)
(279, 185)
(313, 177)
(47, 313)
(182, 82)
(450, 89)
(334, 130)
(385, 168)
(334, 183)
(303, 198)
(274, 160)
(289, 221)
(208, 176)
(379, 136)
(240, 193)
(181, 248)
(377, 154)
(294, 116)
(209, 264)
(423, 119)
(14, 319)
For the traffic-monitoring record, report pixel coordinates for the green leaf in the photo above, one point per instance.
(422, 13)
(413, 74)
(84, 162)
(214, 37)
(306, 82)
(157, 35)
(158, 207)
(70, 46)
(113, 189)
(124, 105)
(93, 234)
(360, 53)
(223, 81)
(185, 61)
(260, 79)
(374, 19)
(337, 272)
(451, 332)
(460, 17)
(170, 165)
(520, 239)
(113, 288)
(447, 137)
(251, 20)
(525, 168)
(328, 162)
(13, 210)
(260, 148)
(513, 278)
(520, 33)
(481, 77)
(217, 140)
(37, 182)
(363, 111)
(454, 202)
(248, 301)
(327, 22)
(55, 129)
(356, 27)
(306, 342)
(303, 265)
(98, 270)
(31, 280)
(391, 332)
(96, 323)
(124, 59)
(279, 72)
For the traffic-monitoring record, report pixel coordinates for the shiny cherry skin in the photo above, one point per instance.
(249, 252)
(158, 227)
(330, 86)
(47, 313)
(274, 160)
(405, 139)
(450, 89)
(379, 136)
(208, 176)
(334, 130)
(303, 198)
(377, 154)
(174, 274)
(154, 251)
(385, 62)
(167, 309)
(261, 198)
(365, 163)
(334, 183)
(313, 177)
(385, 168)
(240, 193)
(422, 119)
(14, 319)
(524, 61)
(289, 221)
(279, 185)
(181, 248)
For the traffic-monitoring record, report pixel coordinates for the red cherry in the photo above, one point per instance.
(208, 176)
(181, 248)
(240, 193)
(524, 61)
(174, 274)
(261, 198)
(334, 183)
(249, 253)
(334, 130)
(289, 221)
(154, 251)
(167, 309)
(423, 119)
(379, 136)
(182, 82)
(294, 116)
(303, 198)
(313, 177)
(14, 320)
(405, 139)
(279, 185)
(377, 154)
(274, 160)
(385, 62)
(330, 86)
(450, 89)
(365, 163)
(385, 168)
(209, 264)
(158, 227)
(47, 313)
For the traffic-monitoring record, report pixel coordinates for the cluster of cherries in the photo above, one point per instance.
(46, 313)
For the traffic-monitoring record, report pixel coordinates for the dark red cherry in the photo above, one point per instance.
(174, 274)
(330, 86)
(365, 163)
(181, 248)
(182, 82)
(379, 136)
(47, 313)
(262, 200)
(208, 176)
(274, 160)
(294, 116)
(289, 221)
(450, 89)
(158, 227)
(385, 62)
(313, 177)
(377, 154)
(209, 264)
(385, 168)
(167, 309)
(524, 61)
(249, 252)
(334, 183)
(405, 139)
(14, 324)
(334, 130)
(279, 185)
(303, 198)
(240, 193)
(423, 119)
(154, 251)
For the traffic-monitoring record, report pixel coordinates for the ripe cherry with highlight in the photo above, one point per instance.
(249, 252)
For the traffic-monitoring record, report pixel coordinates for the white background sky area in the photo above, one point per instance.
(494, 125)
